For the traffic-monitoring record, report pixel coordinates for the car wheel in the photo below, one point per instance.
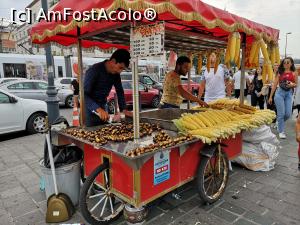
(69, 101)
(36, 123)
(111, 107)
(155, 101)
(195, 93)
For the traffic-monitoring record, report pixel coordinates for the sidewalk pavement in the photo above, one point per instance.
(250, 198)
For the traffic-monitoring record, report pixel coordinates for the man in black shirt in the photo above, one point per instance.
(98, 82)
(75, 88)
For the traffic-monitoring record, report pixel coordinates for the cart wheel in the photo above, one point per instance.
(98, 205)
(212, 176)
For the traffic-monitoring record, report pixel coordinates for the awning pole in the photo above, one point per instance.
(81, 81)
(242, 85)
(135, 82)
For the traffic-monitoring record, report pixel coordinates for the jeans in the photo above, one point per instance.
(167, 106)
(283, 101)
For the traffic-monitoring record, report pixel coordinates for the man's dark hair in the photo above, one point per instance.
(182, 59)
(121, 56)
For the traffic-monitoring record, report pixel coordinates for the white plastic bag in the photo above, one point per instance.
(261, 134)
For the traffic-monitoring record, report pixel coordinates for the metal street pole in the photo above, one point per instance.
(52, 99)
(286, 43)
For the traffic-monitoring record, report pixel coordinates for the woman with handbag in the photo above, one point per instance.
(287, 80)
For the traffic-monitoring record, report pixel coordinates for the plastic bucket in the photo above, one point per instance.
(68, 180)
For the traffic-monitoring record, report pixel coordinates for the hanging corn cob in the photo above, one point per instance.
(237, 49)
(200, 61)
(264, 51)
(264, 73)
(254, 51)
(277, 54)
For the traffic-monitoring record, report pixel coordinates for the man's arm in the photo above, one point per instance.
(189, 96)
(89, 80)
(201, 88)
(120, 93)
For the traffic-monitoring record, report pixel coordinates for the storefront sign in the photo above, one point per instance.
(147, 40)
(161, 167)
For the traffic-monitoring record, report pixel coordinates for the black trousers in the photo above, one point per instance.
(237, 93)
(258, 100)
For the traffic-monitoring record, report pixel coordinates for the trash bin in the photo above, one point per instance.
(67, 177)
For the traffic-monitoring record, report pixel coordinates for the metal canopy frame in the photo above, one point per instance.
(189, 39)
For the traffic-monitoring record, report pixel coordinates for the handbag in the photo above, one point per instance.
(284, 85)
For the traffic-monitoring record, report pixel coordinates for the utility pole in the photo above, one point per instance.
(52, 99)
(286, 43)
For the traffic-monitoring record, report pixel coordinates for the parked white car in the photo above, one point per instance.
(17, 114)
(9, 79)
(63, 82)
(36, 89)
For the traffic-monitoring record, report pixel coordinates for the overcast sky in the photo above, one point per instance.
(281, 14)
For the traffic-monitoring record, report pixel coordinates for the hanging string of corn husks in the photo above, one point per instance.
(233, 49)
(200, 61)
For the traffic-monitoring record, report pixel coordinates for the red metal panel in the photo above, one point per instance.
(92, 159)
(189, 161)
(234, 146)
(148, 189)
(122, 176)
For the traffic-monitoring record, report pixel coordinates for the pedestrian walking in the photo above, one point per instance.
(287, 80)
(298, 138)
(258, 93)
(237, 83)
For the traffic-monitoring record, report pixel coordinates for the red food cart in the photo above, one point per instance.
(113, 178)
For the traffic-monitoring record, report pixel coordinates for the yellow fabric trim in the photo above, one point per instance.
(159, 8)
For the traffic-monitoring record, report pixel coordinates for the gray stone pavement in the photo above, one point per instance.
(250, 198)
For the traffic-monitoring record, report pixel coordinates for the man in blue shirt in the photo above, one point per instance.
(98, 82)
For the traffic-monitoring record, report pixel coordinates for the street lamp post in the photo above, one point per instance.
(52, 100)
(286, 43)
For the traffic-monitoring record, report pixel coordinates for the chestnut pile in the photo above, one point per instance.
(161, 140)
(118, 133)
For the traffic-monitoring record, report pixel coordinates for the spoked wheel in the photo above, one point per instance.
(97, 204)
(212, 176)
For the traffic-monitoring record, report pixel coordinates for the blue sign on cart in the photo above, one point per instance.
(161, 167)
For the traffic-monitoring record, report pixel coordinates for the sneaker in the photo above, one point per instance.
(282, 135)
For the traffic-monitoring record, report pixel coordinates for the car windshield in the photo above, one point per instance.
(127, 85)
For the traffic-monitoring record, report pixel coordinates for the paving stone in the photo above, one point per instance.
(191, 204)
(22, 208)
(6, 220)
(169, 217)
(224, 214)
(290, 187)
(281, 219)
(16, 199)
(243, 222)
(188, 220)
(293, 212)
(292, 198)
(275, 193)
(257, 218)
(12, 192)
(153, 212)
(273, 204)
(244, 204)
(269, 181)
(30, 218)
(203, 216)
(250, 195)
(232, 208)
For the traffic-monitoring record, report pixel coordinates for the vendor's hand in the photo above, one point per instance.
(116, 118)
(291, 85)
(202, 103)
(103, 115)
(270, 101)
(128, 113)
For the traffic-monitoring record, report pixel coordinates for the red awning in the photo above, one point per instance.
(185, 15)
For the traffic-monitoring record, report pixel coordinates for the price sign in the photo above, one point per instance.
(147, 40)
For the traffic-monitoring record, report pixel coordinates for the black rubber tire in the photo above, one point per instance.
(30, 123)
(111, 107)
(83, 193)
(201, 177)
(155, 101)
(69, 102)
(195, 93)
